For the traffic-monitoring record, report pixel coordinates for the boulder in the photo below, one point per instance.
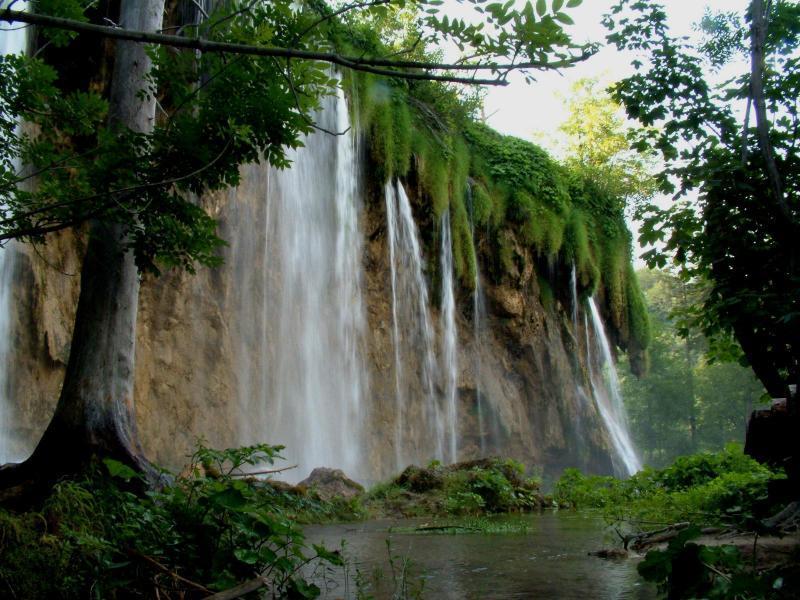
(420, 480)
(331, 483)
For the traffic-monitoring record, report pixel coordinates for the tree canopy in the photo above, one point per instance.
(280, 51)
(741, 232)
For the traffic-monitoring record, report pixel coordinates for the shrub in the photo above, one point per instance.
(208, 531)
(709, 488)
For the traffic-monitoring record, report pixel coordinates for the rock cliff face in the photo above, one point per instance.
(526, 370)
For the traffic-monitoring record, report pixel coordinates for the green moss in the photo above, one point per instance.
(638, 319)
(459, 170)
(576, 242)
(463, 246)
(518, 192)
(499, 195)
(546, 295)
(433, 173)
(401, 136)
(381, 138)
(482, 205)
(505, 253)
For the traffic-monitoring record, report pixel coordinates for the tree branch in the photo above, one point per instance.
(158, 566)
(758, 39)
(341, 11)
(265, 472)
(370, 65)
(111, 194)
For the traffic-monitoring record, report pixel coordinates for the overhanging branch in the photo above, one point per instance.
(378, 66)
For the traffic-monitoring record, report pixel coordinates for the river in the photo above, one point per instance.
(549, 560)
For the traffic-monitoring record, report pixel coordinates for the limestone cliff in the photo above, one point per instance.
(194, 332)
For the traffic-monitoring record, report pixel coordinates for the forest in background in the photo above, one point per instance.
(690, 399)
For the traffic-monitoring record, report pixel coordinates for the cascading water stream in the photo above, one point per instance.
(449, 340)
(573, 286)
(583, 398)
(309, 366)
(608, 397)
(413, 336)
(390, 197)
(12, 41)
(479, 328)
(478, 325)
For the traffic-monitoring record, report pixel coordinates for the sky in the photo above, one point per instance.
(534, 111)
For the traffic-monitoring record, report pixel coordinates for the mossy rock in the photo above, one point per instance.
(420, 480)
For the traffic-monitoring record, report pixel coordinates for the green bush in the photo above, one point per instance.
(709, 488)
(97, 537)
(471, 488)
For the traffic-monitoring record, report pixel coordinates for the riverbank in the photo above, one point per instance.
(472, 529)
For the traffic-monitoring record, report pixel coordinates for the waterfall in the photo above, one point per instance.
(583, 399)
(413, 336)
(390, 196)
(309, 368)
(573, 286)
(608, 397)
(478, 325)
(449, 339)
(12, 41)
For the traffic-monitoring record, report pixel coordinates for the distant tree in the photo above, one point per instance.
(742, 233)
(687, 401)
(598, 145)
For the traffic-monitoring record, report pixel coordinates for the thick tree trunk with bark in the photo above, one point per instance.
(95, 412)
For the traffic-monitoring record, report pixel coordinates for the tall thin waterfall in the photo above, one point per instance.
(309, 367)
(12, 41)
(449, 340)
(584, 402)
(573, 286)
(608, 397)
(413, 336)
(479, 330)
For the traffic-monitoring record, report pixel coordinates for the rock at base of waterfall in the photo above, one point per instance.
(420, 479)
(331, 483)
(772, 439)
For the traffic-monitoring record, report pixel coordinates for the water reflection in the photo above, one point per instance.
(550, 561)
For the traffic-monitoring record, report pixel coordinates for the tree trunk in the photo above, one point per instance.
(95, 411)
(758, 37)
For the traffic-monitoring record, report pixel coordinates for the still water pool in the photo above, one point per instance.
(549, 560)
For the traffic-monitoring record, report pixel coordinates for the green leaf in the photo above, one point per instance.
(333, 557)
(557, 4)
(230, 498)
(573, 3)
(541, 7)
(247, 555)
(564, 18)
(118, 469)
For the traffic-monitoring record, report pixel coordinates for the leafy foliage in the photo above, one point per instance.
(705, 488)
(209, 530)
(88, 170)
(741, 233)
(686, 569)
(474, 488)
(690, 399)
